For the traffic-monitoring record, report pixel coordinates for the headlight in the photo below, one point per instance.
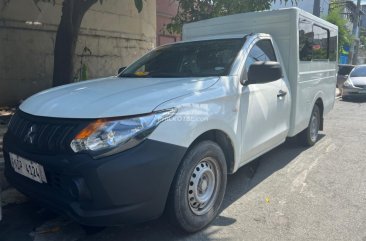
(348, 83)
(109, 136)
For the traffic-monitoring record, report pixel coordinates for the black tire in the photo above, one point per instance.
(180, 207)
(309, 137)
(344, 97)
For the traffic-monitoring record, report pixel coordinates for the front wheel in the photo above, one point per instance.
(198, 188)
(310, 135)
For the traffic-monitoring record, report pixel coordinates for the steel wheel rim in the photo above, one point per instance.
(203, 186)
(314, 127)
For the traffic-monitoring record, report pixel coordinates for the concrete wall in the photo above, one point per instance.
(114, 31)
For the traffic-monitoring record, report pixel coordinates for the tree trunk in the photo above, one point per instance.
(73, 12)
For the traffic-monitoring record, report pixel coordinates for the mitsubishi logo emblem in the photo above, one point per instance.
(29, 137)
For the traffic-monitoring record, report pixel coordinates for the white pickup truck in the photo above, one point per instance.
(165, 132)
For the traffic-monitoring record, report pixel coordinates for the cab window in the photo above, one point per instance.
(262, 51)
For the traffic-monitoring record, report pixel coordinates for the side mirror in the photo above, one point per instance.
(120, 70)
(264, 72)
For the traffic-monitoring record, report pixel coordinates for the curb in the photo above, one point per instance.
(338, 94)
(3, 182)
(12, 196)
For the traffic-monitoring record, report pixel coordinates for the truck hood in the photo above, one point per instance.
(112, 96)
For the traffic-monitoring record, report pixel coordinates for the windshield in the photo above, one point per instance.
(359, 72)
(192, 59)
(345, 70)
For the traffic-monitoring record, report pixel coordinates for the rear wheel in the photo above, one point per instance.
(310, 135)
(198, 188)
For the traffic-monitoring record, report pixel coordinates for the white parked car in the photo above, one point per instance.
(165, 132)
(355, 84)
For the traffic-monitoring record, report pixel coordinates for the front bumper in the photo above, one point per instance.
(353, 92)
(128, 187)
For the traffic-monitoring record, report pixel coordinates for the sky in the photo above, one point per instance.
(307, 5)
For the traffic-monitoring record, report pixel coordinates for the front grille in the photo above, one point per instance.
(361, 86)
(44, 135)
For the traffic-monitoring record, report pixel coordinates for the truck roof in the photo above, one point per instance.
(218, 36)
(211, 37)
(268, 21)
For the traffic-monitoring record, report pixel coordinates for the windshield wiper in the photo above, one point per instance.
(162, 74)
(130, 75)
(166, 75)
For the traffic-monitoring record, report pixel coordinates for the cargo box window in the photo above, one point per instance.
(333, 48)
(315, 42)
(306, 36)
(320, 43)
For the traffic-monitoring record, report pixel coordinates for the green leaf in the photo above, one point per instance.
(139, 5)
(344, 34)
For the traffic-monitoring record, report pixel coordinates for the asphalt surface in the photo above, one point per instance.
(290, 193)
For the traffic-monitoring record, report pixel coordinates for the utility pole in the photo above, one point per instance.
(316, 8)
(355, 32)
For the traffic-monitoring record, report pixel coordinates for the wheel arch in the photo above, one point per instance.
(319, 101)
(320, 104)
(225, 143)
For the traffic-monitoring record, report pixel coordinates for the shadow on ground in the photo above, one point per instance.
(29, 221)
(354, 99)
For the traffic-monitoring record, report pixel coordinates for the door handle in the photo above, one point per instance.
(281, 93)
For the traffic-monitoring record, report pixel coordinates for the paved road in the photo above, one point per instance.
(295, 194)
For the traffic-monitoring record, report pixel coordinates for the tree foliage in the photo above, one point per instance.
(196, 10)
(344, 34)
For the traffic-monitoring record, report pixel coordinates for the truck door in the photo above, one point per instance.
(261, 106)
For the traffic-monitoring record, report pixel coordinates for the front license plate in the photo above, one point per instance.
(28, 168)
